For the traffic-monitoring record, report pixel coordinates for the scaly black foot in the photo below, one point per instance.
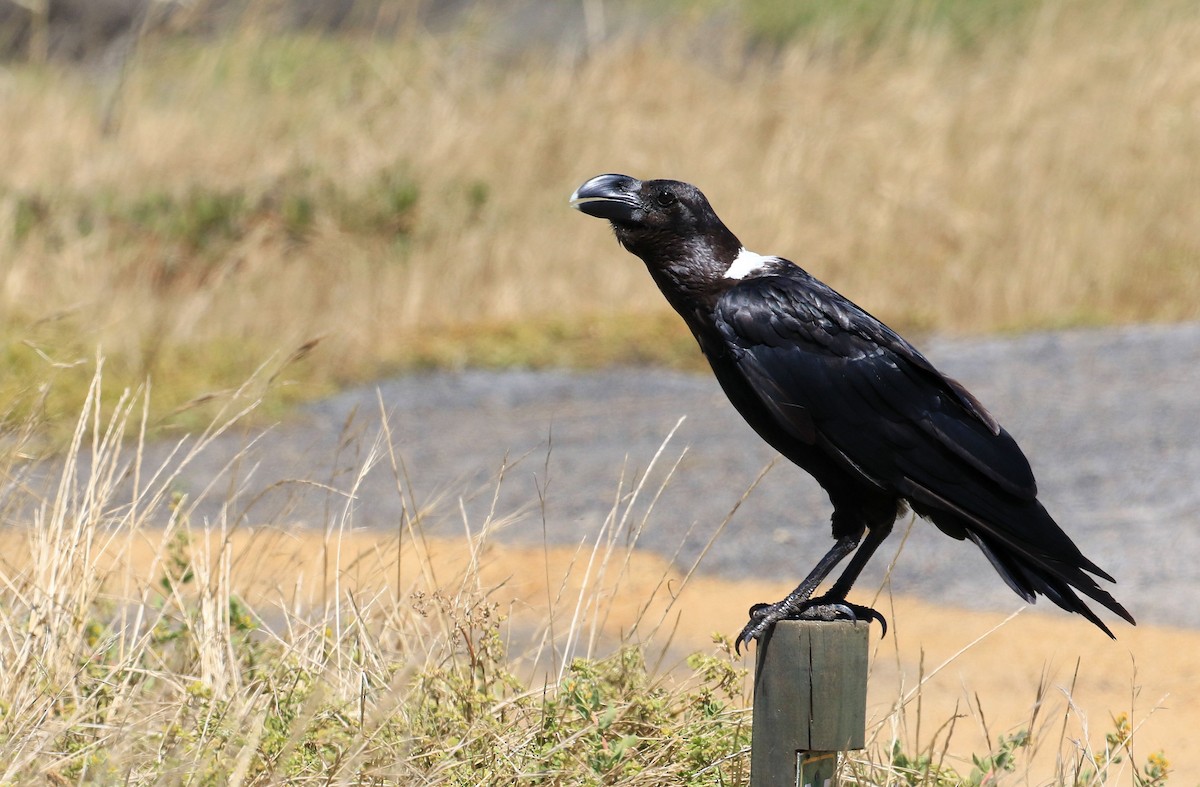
(764, 616)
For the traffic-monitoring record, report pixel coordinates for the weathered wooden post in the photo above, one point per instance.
(810, 701)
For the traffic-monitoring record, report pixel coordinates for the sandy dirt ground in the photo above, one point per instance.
(964, 675)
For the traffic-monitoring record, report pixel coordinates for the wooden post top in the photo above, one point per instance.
(810, 695)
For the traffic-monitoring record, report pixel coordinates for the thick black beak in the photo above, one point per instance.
(612, 197)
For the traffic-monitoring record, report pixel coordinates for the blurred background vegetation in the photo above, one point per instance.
(344, 190)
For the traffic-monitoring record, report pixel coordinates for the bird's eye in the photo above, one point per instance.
(666, 199)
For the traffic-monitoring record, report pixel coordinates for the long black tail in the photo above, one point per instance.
(1030, 574)
(1030, 551)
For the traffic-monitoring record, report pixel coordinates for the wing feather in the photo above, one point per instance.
(828, 370)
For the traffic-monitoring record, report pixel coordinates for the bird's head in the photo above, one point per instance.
(665, 222)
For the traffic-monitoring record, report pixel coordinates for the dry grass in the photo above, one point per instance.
(263, 191)
(141, 648)
(393, 199)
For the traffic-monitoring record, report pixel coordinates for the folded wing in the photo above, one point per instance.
(837, 378)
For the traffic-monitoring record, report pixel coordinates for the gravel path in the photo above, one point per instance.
(1107, 417)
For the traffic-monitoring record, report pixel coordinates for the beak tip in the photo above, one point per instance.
(609, 196)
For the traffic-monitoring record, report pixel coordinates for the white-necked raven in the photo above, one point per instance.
(848, 400)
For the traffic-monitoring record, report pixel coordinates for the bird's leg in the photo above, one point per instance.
(800, 605)
(763, 616)
(833, 605)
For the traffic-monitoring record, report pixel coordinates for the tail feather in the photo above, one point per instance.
(1028, 584)
(1031, 569)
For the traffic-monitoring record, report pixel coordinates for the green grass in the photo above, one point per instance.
(864, 26)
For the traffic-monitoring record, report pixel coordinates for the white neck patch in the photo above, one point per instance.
(745, 263)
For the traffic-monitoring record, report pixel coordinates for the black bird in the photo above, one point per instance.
(848, 400)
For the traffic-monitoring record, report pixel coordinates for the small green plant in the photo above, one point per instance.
(199, 218)
(606, 722)
(478, 193)
(298, 212)
(29, 214)
(1005, 758)
(989, 768)
(920, 768)
(387, 206)
(1117, 748)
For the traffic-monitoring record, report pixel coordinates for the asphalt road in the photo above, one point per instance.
(1109, 419)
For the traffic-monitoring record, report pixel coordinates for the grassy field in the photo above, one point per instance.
(228, 654)
(304, 211)
(224, 203)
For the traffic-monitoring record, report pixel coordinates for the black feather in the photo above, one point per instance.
(846, 398)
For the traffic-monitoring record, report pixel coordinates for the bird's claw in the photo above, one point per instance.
(840, 610)
(761, 619)
(764, 616)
